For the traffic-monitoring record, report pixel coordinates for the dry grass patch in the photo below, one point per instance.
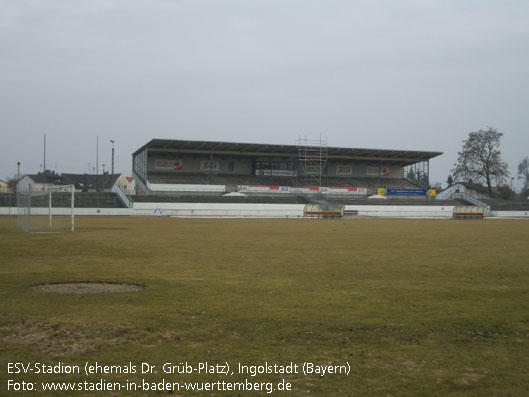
(86, 287)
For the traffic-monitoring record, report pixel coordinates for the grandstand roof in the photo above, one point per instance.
(404, 157)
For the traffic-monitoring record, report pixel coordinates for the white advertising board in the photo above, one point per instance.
(168, 165)
(373, 171)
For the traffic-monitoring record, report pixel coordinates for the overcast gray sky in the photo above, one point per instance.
(389, 74)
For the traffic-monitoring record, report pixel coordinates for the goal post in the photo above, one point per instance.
(50, 210)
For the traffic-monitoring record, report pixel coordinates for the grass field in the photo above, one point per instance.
(413, 307)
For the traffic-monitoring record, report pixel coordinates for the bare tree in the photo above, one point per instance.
(480, 158)
(523, 172)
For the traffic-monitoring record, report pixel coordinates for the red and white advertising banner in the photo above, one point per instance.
(347, 190)
(302, 189)
(208, 166)
(344, 170)
(373, 171)
(259, 189)
(168, 165)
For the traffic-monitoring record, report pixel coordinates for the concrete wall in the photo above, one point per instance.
(173, 187)
(230, 210)
(510, 214)
(212, 210)
(401, 211)
(77, 211)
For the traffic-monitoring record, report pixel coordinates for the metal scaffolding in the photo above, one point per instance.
(312, 159)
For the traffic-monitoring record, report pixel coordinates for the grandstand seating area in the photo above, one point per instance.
(219, 199)
(288, 199)
(232, 181)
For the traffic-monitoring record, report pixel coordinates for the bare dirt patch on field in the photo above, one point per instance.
(86, 287)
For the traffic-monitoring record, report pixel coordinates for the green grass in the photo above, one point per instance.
(416, 307)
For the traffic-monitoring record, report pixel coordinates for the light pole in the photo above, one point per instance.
(112, 142)
(512, 191)
(18, 177)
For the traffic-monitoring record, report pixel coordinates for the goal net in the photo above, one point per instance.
(46, 211)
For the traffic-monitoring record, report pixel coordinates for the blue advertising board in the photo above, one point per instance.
(406, 192)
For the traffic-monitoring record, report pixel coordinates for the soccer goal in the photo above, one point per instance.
(46, 211)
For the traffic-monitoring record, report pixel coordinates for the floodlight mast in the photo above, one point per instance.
(72, 208)
(97, 163)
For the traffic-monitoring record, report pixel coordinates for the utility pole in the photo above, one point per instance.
(44, 167)
(97, 163)
(112, 142)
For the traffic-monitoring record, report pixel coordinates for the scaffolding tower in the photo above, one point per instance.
(312, 159)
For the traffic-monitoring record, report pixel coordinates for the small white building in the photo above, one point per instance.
(39, 182)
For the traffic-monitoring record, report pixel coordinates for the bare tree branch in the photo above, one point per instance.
(480, 158)
(523, 172)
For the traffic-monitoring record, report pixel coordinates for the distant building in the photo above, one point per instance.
(82, 182)
(103, 182)
(4, 188)
(40, 181)
(131, 186)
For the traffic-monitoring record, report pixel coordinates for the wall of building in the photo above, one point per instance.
(123, 183)
(25, 182)
(184, 164)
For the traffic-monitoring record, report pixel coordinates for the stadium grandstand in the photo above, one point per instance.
(184, 168)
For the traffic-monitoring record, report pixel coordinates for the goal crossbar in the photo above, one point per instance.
(72, 206)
